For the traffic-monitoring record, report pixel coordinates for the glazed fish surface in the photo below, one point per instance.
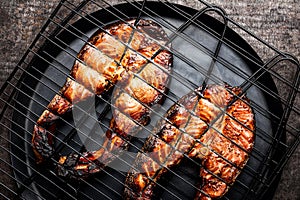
(212, 125)
(123, 54)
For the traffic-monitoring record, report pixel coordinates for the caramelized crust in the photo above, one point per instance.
(59, 105)
(132, 61)
(47, 117)
(42, 138)
(42, 142)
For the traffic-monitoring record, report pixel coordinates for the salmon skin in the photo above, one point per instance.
(211, 125)
(119, 54)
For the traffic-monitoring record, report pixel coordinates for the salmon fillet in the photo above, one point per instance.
(208, 124)
(120, 55)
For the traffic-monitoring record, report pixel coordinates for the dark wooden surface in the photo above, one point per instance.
(276, 21)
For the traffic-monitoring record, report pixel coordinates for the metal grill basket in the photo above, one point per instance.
(207, 48)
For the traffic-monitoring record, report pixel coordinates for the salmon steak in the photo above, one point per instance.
(214, 125)
(126, 55)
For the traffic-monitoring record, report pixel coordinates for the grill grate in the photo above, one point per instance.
(206, 50)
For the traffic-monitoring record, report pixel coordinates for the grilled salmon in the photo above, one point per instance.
(210, 124)
(131, 57)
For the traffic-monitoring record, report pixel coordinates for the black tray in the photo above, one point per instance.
(33, 103)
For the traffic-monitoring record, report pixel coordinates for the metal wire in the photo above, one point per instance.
(207, 76)
(126, 46)
(67, 138)
(259, 177)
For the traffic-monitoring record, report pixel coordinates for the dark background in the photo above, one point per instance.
(275, 21)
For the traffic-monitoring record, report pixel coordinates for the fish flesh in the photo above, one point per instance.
(212, 125)
(125, 55)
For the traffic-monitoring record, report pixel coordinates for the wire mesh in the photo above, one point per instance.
(42, 70)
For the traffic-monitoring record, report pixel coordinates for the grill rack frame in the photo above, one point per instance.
(276, 59)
